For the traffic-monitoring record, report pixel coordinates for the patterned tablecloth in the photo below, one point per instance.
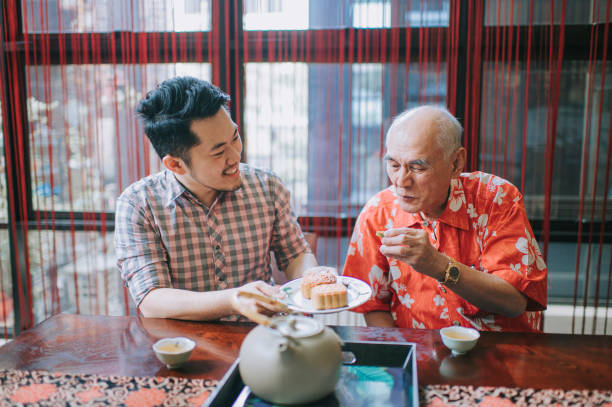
(19, 387)
(445, 395)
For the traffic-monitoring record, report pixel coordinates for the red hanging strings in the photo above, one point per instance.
(237, 77)
(607, 177)
(496, 91)
(583, 178)
(507, 86)
(33, 145)
(341, 44)
(596, 168)
(526, 97)
(515, 88)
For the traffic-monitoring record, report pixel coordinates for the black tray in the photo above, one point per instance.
(386, 367)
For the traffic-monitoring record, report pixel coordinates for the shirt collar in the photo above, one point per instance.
(455, 214)
(175, 189)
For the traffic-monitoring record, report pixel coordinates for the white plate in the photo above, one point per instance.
(358, 292)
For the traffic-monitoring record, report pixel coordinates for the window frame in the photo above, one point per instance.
(227, 33)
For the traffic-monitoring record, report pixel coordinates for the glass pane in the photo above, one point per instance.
(325, 14)
(66, 268)
(277, 133)
(71, 16)
(517, 12)
(581, 146)
(321, 127)
(7, 314)
(562, 272)
(86, 144)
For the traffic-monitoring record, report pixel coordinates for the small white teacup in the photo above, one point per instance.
(459, 339)
(173, 352)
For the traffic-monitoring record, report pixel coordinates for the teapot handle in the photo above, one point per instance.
(249, 309)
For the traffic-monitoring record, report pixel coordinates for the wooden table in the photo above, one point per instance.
(122, 346)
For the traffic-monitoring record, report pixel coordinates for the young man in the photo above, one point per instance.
(456, 249)
(188, 237)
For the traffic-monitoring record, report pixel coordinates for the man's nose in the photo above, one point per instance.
(235, 153)
(404, 177)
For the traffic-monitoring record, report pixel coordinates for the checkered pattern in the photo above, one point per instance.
(165, 237)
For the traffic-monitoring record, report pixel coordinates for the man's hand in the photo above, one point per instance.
(262, 288)
(486, 291)
(412, 246)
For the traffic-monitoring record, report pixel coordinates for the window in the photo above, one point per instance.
(57, 16)
(325, 14)
(86, 144)
(278, 130)
(519, 12)
(577, 165)
(74, 273)
(314, 86)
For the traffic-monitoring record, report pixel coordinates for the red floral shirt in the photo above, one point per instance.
(484, 226)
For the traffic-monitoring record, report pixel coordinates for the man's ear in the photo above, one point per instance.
(176, 165)
(458, 161)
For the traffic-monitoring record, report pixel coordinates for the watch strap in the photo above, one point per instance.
(447, 272)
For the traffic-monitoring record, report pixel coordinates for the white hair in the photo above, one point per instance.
(450, 130)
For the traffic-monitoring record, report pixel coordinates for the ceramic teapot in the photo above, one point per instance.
(289, 359)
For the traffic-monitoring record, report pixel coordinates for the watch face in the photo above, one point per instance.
(453, 273)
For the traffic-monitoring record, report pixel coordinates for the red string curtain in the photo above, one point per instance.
(314, 86)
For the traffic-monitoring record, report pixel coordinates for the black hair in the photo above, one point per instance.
(168, 111)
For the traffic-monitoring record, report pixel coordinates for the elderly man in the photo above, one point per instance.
(441, 247)
(188, 237)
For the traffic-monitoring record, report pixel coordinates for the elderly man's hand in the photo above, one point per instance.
(412, 246)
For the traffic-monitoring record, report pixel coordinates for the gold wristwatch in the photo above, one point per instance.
(451, 273)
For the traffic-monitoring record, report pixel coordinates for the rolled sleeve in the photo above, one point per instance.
(288, 241)
(141, 257)
(512, 253)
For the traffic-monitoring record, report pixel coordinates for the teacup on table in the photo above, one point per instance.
(459, 339)
(173, 352)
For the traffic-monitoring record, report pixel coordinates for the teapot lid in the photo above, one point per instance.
(296, 326)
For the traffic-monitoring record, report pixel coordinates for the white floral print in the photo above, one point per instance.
(481, 227)
(395, 272)
(529, 247)
(471, 211)
(374, 201)
(499, 196)
(457, 198)
(406, 300)
(417, 324)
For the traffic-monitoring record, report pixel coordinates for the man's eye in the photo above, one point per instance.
(417, 169)
(219, 154)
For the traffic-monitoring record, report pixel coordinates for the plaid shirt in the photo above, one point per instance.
(165, 237)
